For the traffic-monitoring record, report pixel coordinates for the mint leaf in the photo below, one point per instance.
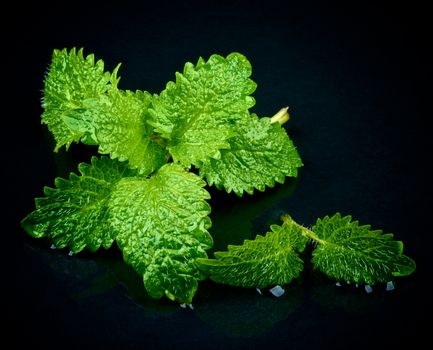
(82, 103)
(197, 112)
(119, 127)
(356, 254)
(260, 154)
(71, 80)
(74, 214)
(265, 261)
(162, 223)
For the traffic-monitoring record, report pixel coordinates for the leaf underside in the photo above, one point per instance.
(268, 260)
(356, 254)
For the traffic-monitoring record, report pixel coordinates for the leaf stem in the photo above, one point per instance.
(305, 231)
(281, 117)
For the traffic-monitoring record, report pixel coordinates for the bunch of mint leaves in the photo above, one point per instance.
(159, 151)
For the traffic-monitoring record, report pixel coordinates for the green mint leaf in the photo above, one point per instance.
(197, 112)
(260, 154)
(267, 260)
(119, 127)
(74, 214)
(356, 254)
(162, 223)
(71, 80)
(83, 103)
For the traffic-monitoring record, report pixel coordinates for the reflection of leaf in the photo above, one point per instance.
(354, 300)
(73, 273)
(246, 313)
(100, 284)
(84, 279)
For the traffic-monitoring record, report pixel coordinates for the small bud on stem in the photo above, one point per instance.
(282, 116)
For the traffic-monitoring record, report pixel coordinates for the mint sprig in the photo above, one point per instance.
(343, 250)
(144, 196)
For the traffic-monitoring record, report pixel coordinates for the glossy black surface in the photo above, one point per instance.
(358, 82)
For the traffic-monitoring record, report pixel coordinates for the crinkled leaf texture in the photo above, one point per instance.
(197, 112)
(82, 102)
(260, 154)
(75, 213)
(356, 254)
(71, 80)
(267, 260)
(119, 127)
(162, 224)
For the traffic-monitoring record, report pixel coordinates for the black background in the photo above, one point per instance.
(357, 79)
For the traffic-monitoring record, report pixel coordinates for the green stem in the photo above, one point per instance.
(305, 231)
(281, 117)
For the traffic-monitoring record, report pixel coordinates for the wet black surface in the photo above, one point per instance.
(358, 82)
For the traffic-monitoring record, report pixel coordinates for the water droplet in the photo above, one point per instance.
(277, 291)
(184, 305)
(259, 291)
(368, 288)
(338, 284)
(390, 286)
